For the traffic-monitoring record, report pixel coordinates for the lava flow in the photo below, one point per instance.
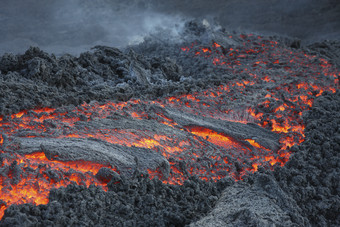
(274, 86)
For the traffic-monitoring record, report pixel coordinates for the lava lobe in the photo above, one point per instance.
(252, 119)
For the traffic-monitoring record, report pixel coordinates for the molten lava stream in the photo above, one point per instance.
(31, 177)
(216, 138)
(278, 107)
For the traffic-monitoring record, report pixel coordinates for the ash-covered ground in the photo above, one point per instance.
(305, 192)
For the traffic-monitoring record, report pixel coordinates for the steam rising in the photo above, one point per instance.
(72, 26)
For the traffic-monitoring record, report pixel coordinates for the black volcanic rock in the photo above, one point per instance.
(138, 202)
(37, 79)
(305, 192)
(106, 175)
(259, 203)
(329, 49)
(311, 178)
(122, 158)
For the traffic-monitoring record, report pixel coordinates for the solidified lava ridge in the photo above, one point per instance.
(232, 129)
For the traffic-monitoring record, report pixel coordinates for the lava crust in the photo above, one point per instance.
(215, 129)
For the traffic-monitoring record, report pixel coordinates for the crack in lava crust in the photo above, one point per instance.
(260, 96)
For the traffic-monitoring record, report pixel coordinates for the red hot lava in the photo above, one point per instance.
(274, 86)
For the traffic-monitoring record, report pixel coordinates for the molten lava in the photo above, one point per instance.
(216, 138)
(271, 100)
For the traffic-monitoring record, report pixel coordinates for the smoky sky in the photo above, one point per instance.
(73, 26)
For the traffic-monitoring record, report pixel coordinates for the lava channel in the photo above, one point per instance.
(256, 101)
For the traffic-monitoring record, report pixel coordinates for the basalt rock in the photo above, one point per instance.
(137, 202)
(303, 192)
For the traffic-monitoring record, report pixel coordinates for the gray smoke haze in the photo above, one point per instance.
(73, 26)
(305, 19)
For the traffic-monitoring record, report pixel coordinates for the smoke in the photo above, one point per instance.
(73, 26)
(309, 20)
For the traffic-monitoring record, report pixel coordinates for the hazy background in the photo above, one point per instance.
(73, 26)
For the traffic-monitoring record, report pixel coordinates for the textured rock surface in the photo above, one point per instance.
(262, 203)
(304, 192)
(138, 202)
(311, 178)
(122, 158)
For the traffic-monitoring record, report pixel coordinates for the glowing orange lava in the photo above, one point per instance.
(35, 187)
(275, 102)
(215, 138)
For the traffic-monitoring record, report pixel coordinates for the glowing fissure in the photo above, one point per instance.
(216, 138)
(275, 102)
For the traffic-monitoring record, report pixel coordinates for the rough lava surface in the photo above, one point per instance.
(303, 192)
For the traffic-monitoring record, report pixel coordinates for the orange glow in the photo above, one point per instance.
(18, 115)
(216, 45)
(277, 127)
(80, 166)
(267, 79)
(44, 110)
(36, 190)
(146, 143)
(255, 166)
(255, 144)
(280, 108)
(215, 138)
(274, 102)
(185, 48)
(136, 115)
